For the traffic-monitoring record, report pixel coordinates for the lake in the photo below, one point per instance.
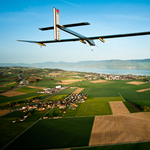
(109, 71)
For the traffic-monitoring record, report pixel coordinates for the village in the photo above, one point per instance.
(95, 76)
(69, 102)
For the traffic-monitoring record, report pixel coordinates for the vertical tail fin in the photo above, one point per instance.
(56, 22)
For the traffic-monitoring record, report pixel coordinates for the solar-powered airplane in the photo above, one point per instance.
(90, 40)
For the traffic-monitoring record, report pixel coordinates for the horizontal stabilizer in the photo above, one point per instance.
(46, 28)
(76, 24)
(66, 25)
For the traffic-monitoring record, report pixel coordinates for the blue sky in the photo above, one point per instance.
(20, 19)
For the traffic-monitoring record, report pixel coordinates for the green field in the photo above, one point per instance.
(66, 91)
(93, 106)
(97, 106)
(27, 90)
(56, 133)
(11, 130)
(45, 83)
(5, 100)
(58, 97)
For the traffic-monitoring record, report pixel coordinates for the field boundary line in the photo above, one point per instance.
(25, 130)
(121, 96)
(79, 109)
(88, 90)
(111, 108)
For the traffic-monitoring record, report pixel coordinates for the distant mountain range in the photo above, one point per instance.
(112, 64)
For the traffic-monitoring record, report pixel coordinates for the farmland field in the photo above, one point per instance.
(3, 112)
(93, 106)
(75, 126)
(5, 100)
(45, 83)
(9, 130)
(97, 106)
(27, 90)
(66, 91)
(58, 97)
(92, 109)
(12, 93)
(131, 146)
(46, 134)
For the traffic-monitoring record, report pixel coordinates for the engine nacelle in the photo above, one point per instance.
(82, 41)
(101, 39)
(41, 44)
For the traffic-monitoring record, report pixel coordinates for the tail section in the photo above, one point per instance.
(56, 22)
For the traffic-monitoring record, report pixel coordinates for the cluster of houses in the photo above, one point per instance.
(75, 98)
(94, 76)
(122, 77)
(40, 106)
(52, 90)
(69, 101)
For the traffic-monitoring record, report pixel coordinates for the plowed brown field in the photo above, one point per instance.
(135, 82)
(98, 81)
(118, 107)
(66, 82)
(78, 91)
(118, 129)
(12, 93)
(3, 112)
(34, 87)
(143, 90)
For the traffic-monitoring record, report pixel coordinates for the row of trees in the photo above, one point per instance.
(143, 108)
(55, 114)
(28, 114)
